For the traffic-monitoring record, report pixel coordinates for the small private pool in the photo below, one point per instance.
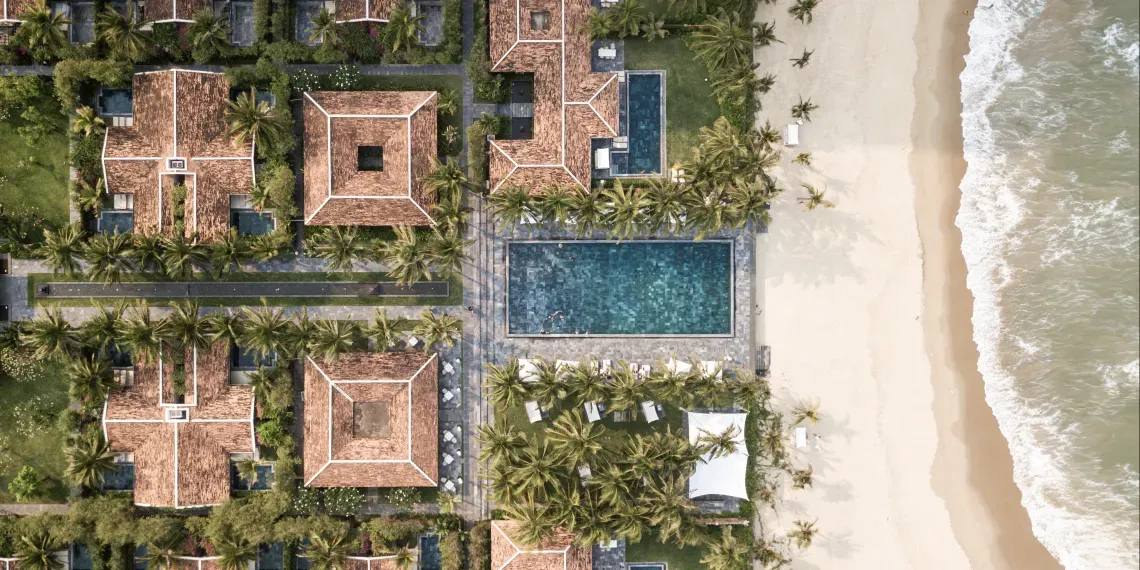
(116, 102)
(641, 566)
(252, 223)
(647, 288)
(640, 149)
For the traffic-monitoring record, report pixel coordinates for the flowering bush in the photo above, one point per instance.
(19, 364)
(343, 501)
(305, 80)
(345, 78)
(307, 501)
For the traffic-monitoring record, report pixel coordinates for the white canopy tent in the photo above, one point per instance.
(723, 475)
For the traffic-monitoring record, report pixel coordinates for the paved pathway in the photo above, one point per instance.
(250, 289)
(33, 509)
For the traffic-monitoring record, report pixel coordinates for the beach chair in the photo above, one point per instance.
(533, 411)
(593, 414)
(801, 437)
(649, 411)
(528, 371)
(678, 366)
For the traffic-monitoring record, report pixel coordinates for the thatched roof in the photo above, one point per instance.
(371, 420)
(571, 103)
(337, 124)
(363, 10)
(556, 552)
(175, 10)
(372, 562)
(178, 114)
(182, 463)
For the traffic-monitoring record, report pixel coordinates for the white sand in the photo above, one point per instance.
(842, 292)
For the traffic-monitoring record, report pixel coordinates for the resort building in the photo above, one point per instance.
(556, 552)
(168, 162)
(179, 424)
(373, 562)
(725, 475)
(372, 420)
(197, 563)
(365, 153)
(570, 107)
(8, 563)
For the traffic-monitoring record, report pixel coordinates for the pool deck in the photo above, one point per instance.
(632, 348)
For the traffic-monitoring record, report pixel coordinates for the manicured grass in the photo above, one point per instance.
(28, 430)
(454, 298)
(689, 100)
(40, 185)
(616, 433)
(651, 549)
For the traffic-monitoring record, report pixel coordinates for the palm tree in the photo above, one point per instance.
(331, 338)
(554, 205)
(575, 440)
(803, 109)
(408, 257)
(265, 247)
(737, 82)
(600, 24)
(625, 211)
(209, 33)
(146, 252)
(182, 256)
(814, 198)
(403, 29)
(444, 329)
(235, 554)
(123, 34)
(768, 135)
(42, 27)
(627, 17)
(804, 533)
(301, 331)
(50, 336)
(185, 329)
(499, 442)
(89, 197)
(509, 206)
(586, 382)
(98, 332)
(447, 180)
(224, 325)
(535, 523)
(806, 411)
(37, 552)
(549, 386)
(384, 332)
(448, 103)
(626, 389)
(89, 460)
(688, 7)
(670, 508)
(764, 34)
(765, 83)
(654, 28)
(263, 329)
(708, 211)
(447, 503)
(802, 478)
(448, 250)
(404, 559)
(802, 60)
(507, 390)
(341, 246)
(262, 382)
(106, 255)
(722, 41)
(449, 214)
(803, 158)
(323, 28)
(228, 252)
(536, 467)
(163, 555)
(721, 444)
(727, 554)
(140, 334)
(247, 471)
(253, 120)
(89, 380)
(802, 9)
(61, 248)
(587, 209)
(86, 121)
(751, 199)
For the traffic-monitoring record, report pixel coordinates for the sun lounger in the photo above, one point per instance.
(592, 412)
(602, 159)
(528, 372)
(713, 368)
(792, 135)
(565, 365)
(649, 411)
(584, 472)
(413, 341)
(801, 437)
(678, 366)
(448, 368)
(533, 412)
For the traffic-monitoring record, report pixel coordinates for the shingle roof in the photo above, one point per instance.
(556, 552)
(398, 390)
(197, 563)
(13, 12)
(174, 10)
(182, 463)
(571, 103)
(363, 10)
(8, 563)
(371, 563)
(337, 123)
(178, 114)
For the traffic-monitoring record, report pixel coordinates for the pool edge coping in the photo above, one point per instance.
(731, 289)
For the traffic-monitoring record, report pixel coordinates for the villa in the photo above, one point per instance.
(82, 15)
(570, 120)
(180, 445)
(556, 552)
(365, 153)
(169, 133)
(375, 11)
(372, 420)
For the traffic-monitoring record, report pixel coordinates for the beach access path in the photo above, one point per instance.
(843, 294)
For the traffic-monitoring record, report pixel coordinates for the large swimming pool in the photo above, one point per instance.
(657, 288)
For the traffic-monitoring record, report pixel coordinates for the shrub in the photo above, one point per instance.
(287, 51)
(451, 551)
(87, 156)
(27, 485)
(404, 499)
(305, 80)
(345, 78)
(488, 86)
(342, 501)
(274, 433)
(165, 36)
(307, 500)
(285, 474)
(72, 73)
(389, 534)
(479, 546)
(279, 183)
(261, 23)
(451, 48)
(282, 21)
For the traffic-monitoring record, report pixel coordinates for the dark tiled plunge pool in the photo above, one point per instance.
(645, 123)
(252, 223)
(654, 288)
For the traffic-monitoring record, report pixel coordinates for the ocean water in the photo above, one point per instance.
(1049, 217)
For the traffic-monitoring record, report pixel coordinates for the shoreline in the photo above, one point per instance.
(973, 468)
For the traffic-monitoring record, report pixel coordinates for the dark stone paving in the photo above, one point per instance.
(65, 290)
(610, 558)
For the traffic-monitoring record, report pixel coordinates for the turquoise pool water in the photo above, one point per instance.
(251, 223)
(645, 567)
(645, 123)
(629, 288)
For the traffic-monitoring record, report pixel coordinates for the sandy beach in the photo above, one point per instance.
(866, 307)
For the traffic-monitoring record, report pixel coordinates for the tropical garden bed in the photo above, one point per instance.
(32, 395)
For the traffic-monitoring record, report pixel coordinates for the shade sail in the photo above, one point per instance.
(722, 475)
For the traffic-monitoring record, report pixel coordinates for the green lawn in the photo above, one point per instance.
(616, 433)
(650, 549)
(34, 179)
(454, 298)
(28, 432)
(689, 100)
